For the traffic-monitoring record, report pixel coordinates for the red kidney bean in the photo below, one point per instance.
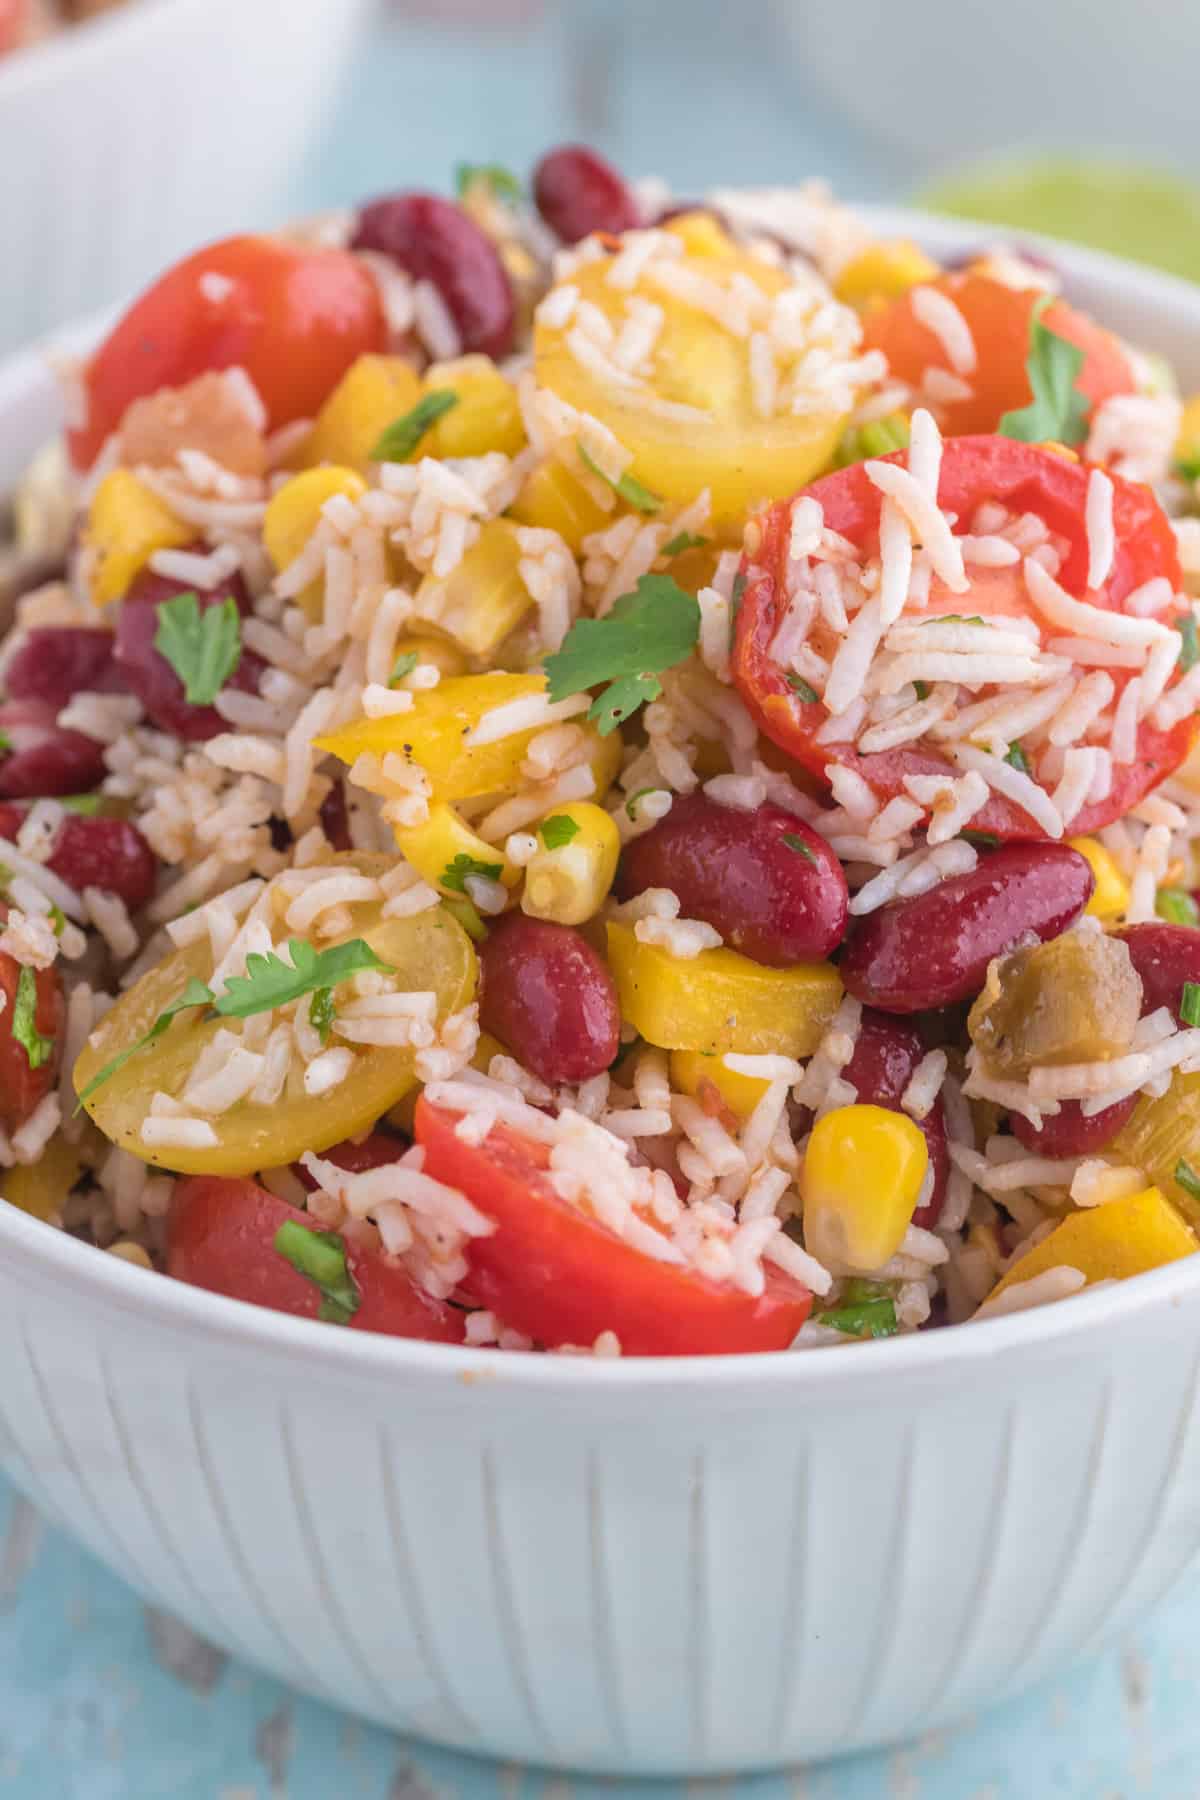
(42, 757)
(21, 1087)
(434, 240)
(935, 948)
(771, 887)
(886, 1055)
(104, 853)
(371, 1152)
(149, 675)
(1071, 1132)
(545, 993)
(56, 662)
(1165, 956)
(334, 817)
(577, 192)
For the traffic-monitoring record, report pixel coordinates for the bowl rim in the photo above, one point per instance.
(62, 1260)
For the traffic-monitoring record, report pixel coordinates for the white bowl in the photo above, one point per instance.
(127, 141)
(683, 1567)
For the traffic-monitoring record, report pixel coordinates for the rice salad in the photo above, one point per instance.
(587, 773)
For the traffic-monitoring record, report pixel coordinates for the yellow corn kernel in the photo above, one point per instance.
(374, 391)
(692, 1072)
(294, 513)
(1187, 444)
(435, 734)
(701, 234)
(554, 500)
(860, 1183)
(483, 598)
(485, 415)
(1111, 895)
(1109, 1242)
(446, 657)
(884, 271)
(720, 1000)
(42, 1187)
(434, 848)
(569, 881)
(126, 524)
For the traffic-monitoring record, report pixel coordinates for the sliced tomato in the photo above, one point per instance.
(1024, 478)
(562, 1277)
(998, 319)
(221, 1236)
(292, 316)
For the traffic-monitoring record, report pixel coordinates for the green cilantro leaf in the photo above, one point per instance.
(321, 1013)
(455, 874)
(1189, 1003)
(956, 619)
(557, 831)
(400, 439)
(1187, 468)
(683, 540)
(270, 982)
(38, 1049)
(646, 632)
(1189, 649)
(1058, 411)
(1017, 759)
(503, 183)
(5, 743)
(1187, 1178)
(196, 993)
(804, 689)
(921, 690)
(983, 840)
(1176, 906)
(798, 845)
(634, 798)
(735, 597)
(86, 805)
(864, 1310)
(625, 486)
(404, 665)
(320, 1256)
(202, 644)
(467, 915)
(58, 918)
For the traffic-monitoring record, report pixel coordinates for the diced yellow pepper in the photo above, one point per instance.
(294, 513)
(1162, 1139)
(692, 1072)
(884, 271)
(721, 1000)
(374, 391)
(483, 598)
(126, 524)
(445, 656)
(485, 415)
(1110, 897)
(569, 881)
(860, 1184)
(434, 847)
(1187, 444)
(434, 733)
(1109, 1242)
(42, 1187)
(554, 500)
(701, 234)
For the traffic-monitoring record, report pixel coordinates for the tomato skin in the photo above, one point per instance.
(221, 1236)
(562, 1278)
(1025, 478)
(998, 317)
(293, 317)
(22, 1088)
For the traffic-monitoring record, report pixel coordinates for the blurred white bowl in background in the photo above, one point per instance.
(132, 139)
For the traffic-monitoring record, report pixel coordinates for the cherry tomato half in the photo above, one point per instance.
(292, 316)
(1023, 478)
(551, 1271)
(221, 1236)
(997, 317)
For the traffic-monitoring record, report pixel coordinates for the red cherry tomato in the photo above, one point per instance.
(551, 1271)
(293, 317)
(22, 1087)
(221, 1236)
(998, 319)
(1023, 478)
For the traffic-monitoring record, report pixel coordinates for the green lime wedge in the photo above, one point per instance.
(1148, 215)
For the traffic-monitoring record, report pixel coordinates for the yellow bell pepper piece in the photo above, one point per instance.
(483, 598)
(701, 234)
(372, 394)
(860, 1183)
(126, 524)
(884, 271)
(721, 1000)
(1162, 1139)
(41, 1188)
(1109, 1242)
(692, 1072)
(485, 415)
(434, 848)
(1187, 444)
(568, 881)
(1111, 895)
(554, 500)
(294, 513)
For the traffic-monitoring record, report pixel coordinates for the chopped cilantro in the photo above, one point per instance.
(202, 644)
(864, 1310)
(982, 840)
(58, 918)
(467, 915)
(1176, 906)
(646, 632)
(456, 873)
(503, 183)
(683, 540)
(196, 993)
(625, 486)
(403, 665)
(1187, 1178)
(5, 743)
(634, 798)
(1189, 1003)
(38, 1049)
(921, 690)
(320, 1256)
(735, 597)
(1058, 412)
(321, 1014)
(1016, 758)
(806, 691)
(1187, 468)
(798, 845)
(86, 805)
(400, 439)
(557, 831)
(956, 619)
(1189, 649)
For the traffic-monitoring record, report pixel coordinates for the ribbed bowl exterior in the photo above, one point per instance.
(672, 1568)
(128, 142)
